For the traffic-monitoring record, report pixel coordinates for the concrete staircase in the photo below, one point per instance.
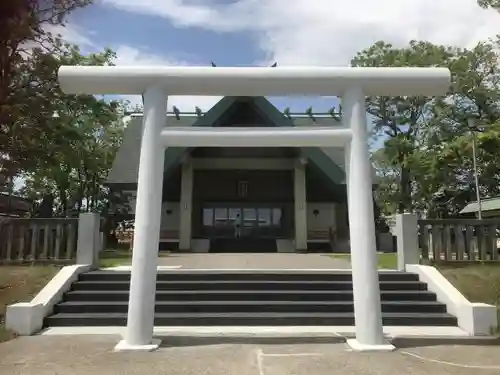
(246, 298)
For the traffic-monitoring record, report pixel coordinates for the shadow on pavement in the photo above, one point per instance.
(182, 341)
(417, 342)
(399, 342)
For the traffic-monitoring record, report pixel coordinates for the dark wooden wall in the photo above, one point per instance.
(263, 186)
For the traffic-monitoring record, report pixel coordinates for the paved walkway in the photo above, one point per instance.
(89, 355)
(253, 261)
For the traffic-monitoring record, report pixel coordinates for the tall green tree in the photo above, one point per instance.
(447, 158)
(400, 119)
(427, 141)
(80, 144)
(24, 44)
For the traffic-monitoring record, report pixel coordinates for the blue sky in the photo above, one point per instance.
(259, 32)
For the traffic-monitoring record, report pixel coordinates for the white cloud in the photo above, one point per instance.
(127, 55)
(73, 34)
(329, 32)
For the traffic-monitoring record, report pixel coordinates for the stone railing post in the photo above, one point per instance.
(89, 239)
(407, 240)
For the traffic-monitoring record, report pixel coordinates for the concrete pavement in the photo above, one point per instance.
(91, 354)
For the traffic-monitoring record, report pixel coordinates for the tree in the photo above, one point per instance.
(400, 118)
(489, 4)
(448, 153)
(24, 44)
(427, 142)
(80, 144)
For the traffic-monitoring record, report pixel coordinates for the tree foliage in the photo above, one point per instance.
(26, 48)
(427, 144)
(79, 145)
(489, 3)
(388, 175)
(401, 119)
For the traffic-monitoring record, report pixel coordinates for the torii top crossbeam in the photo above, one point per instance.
(253, 81)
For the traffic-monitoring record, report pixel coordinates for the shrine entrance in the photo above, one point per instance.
(242, 227)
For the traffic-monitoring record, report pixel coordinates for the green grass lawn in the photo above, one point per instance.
(119, 257)
(385, 260)
(113, 258)
(21, 284)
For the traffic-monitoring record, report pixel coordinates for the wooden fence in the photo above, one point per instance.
(459, 239)
(33, 240)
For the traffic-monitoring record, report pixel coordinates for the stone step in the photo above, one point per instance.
(248, 295)
(244, 306)
(249, 319)
(246, 285)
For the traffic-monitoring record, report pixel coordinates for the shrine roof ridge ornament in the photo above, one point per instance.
(319, 114)
(253, 81)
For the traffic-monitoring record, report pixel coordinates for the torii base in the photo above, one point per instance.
(356, 346)
(122, 346)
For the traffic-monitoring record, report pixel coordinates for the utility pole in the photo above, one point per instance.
(474, 129)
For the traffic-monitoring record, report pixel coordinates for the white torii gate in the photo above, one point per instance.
(157, 83)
